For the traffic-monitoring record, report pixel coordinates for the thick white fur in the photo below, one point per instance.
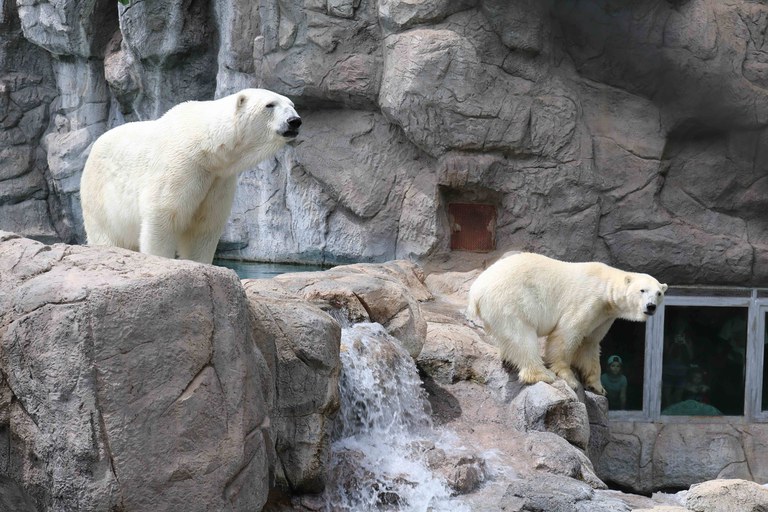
(524, 296)
(166, 187)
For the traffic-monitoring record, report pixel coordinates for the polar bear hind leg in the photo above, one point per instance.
(155, 239)
(519, 345)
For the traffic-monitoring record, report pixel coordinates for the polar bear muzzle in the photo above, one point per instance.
(291, 129)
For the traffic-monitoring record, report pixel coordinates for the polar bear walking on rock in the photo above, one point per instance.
(166, 187)
(524, 296)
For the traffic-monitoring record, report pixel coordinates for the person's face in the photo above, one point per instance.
(615, 368)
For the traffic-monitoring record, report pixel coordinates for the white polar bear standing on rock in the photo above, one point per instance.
(166, 187)
(524, 296)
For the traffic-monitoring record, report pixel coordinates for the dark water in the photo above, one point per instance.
(254, 270)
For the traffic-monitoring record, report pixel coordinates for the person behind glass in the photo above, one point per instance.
(678, 355)
(695, 388)
(615, 384)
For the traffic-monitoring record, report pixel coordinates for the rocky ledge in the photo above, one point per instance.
(132, 382)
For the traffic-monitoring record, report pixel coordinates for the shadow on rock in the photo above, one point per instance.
(445, 406)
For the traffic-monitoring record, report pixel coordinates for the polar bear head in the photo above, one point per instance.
(643, 294)
(244, 128)
(261, 108)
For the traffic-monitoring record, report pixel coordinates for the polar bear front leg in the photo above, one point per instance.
(200, 248)
(198, 242)
(587, 358)
(560, 350)
(157, 237)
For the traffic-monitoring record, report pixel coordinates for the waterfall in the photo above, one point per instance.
(383, 430)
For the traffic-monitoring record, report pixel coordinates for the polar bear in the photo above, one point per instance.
(524, 296)
(166, 187)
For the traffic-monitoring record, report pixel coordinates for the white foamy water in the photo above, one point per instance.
(383, 431)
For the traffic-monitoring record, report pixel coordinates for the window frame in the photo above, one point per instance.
(757, 310)
(757, 352)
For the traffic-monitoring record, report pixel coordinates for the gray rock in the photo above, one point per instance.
(705, 455)
(13, 497)
(388, 294)
(599, 435)
(552, 453)
(454, 352)
(621, 462)
(661, 508)
(73, 29)
(596, 137)
(551, 408)
(546, 493)
(301, 344)
(397, 15)
(462, 473)
(727, 495)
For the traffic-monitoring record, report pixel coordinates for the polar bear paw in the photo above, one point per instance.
(569, 378)
(596, 388)
(534, 375)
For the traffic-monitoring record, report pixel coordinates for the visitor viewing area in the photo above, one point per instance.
(700, 357)
(695, 406)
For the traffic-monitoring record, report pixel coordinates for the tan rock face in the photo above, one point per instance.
(729, 494)
(134, 382)
(301, 345)
(129, 381)
(388, 294)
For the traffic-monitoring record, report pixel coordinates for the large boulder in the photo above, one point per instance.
(129, 382)
(301, 345)
(388, 294)
(727, 495)
(552, 408)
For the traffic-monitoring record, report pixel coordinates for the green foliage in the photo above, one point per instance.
(124, 2)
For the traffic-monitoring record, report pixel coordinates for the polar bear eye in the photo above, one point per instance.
(642, 291)
(271, 105)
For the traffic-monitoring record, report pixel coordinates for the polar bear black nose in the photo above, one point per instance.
(294, 122)
(651, 307)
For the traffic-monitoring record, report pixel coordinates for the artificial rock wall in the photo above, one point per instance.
(630, 132)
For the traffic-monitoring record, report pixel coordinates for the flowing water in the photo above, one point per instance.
(383, 430)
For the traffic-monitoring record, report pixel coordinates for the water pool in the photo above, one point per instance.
(256, 270)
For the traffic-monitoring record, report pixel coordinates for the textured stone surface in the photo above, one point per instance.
(551, 408)
(648, 456)
(609, 130)
(388, 294)
(182, 387)
(27, 88)
(725, 495)
(301, 344)
(552, 493)
(151, 366)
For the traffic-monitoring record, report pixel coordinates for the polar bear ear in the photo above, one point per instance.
(627, 279)
(241, 100)
(664, 287)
